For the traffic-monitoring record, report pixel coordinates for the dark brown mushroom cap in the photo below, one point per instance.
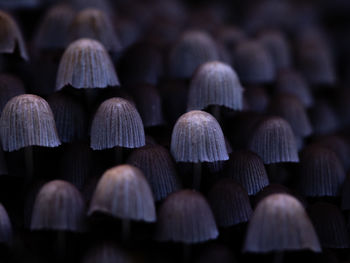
(230, 203)
(191, 50)
(197, 137)
(93, 23)
(321, 172)
(292, 110)
(86, 64)
(5, 227)
(248, 169)
(11, 36)
(106, 253)
(159, 169)
(124, 192)
(27, 120)
(280, 223)
(117, 123)
(53, 30)
(330, 225)
(273, 140)
(253, 63)
(58, 206)
(10, 86)
(215, 83)
(185, 217)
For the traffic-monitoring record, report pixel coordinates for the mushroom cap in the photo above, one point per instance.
(197, 137)
(117, 123)
(124, 192)
(86, 64)
(58, 206)
(215, 83)
(11, 36)
(27, 120)
(5, 227)
(280, 223)
(185, 216)
(274, 141)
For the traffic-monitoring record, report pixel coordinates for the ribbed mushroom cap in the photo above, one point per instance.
(230, 203)
(5, 227)
(106, 253)
(330, 225)
(197, 137)
(159, 169)
(117, 123)
(70, 117)
(280, 223)
(248, 169)
(273, 140)
(58, 206)
(27, 120)
(11, 37)
(95, 24)
(323, 118)
(10, 86)
(53, 29)
(292, 110)
(321, 172)
(185, 217)
(253, 63)
(291, 82)
(123, 192)
(86, 64)
(191, 50)
(277, 45)
(215, 83)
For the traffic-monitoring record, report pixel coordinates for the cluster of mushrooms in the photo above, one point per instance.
(167, 131)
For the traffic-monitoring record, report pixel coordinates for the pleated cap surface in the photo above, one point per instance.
(58, 206)
(124, 192)
(197, 137)
(5, 226)
(27, 120)
(280, 223)
(185, 217)
(215, 83)
(273, 140)
(86, 64)
(117, 123)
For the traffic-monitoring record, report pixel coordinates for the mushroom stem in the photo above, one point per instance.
(216, 112)
(90, 97)
(126, 230)
(119, 155)
(197, 174)
(61, 246)
(29, 163)
(278, 257)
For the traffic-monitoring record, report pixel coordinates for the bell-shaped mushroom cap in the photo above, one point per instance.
(330, 225)
(53, 29)
(11, 37)
(321, 172)
(117, 123)
(248, 169)
(10, 86)
(197, 137)
(27, 120)
(123, 192)
(215, 83)
(58, 206)
(70, 117)
(86, 64)
(191, 50)
(291, 82)
(270, 190)
(106, 253)
(323, 118)
(5, 227)
(277, 45)
(280, 223)
(95, 24)
(230, 203)
(273, 140)
(292, 110)
(185, 217)
(254, 65)
(159, 169)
